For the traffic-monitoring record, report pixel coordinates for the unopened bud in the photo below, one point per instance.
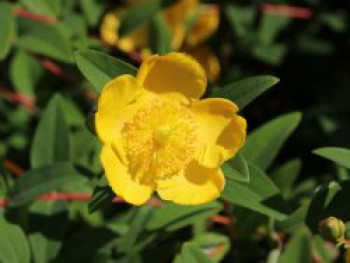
(331, 229)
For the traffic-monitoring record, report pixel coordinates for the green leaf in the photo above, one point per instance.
(285, 176)
(236, 168)
(92, 9)
(263, 144)
(7, 28)
(51, 140)
(138, 220)
(13, 244)
(39, 181)
(271, 26)
(171, 217)
(161, 36)
(52, 40)
(192, 254)
(295, 219)
(25, 72)
(39, 7)
(141, 13)
(270, 54)
(340, 156)
(101, 197)
(100, 68)
(298, 249)
(48, 222)
(241, 19)
(245, 91)
(260, 194)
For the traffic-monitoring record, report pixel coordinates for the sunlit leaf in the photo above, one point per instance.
(100, 68)
(264, 143)
(51, 140)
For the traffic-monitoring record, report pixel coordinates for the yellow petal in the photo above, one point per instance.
(196, 185)
(222, 131)
(176, 75)
(121, 181)
(204, 27)
(181, 11)
(108, 30)
(208, 60)
(118, 100)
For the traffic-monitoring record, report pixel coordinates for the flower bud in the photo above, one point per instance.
(331, 229)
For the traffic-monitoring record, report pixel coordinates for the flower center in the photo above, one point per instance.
(160, 140)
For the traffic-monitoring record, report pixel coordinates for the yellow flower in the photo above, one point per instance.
(204, 27)
(159, 136)
(137, 40)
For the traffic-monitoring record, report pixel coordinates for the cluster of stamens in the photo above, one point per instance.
(160, 140)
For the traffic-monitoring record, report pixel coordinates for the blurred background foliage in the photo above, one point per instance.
(54, 59)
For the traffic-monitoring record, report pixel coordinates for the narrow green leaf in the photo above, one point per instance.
(13, 244)
(171, 217)
(52, 40)
(100, 68)
(237, 168)
(298, 249)
(39, 181)
(263, 144)
(271, 26)
(161, 36)
(295, 220)
(245, 91)
(259, 194)
(7, 28)
(51, 140)
(46, 240)
(192, 254)
(340, 156)
(285, 176)
(101, 197)
(141, 13)
(25, 72)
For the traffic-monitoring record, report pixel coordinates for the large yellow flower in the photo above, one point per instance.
(159, 136)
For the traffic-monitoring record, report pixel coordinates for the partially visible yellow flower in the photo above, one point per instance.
(176, 17)
(137, 40)
(159, 136)
(205, 26)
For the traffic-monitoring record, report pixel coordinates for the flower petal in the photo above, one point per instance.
(174, 74)
(222, 131)
(118, 100)
(205, 25)
(196, 185)
(121, 181)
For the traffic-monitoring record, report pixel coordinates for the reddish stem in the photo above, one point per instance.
(287, 11)
(54, 69)
(13, 167)
(25, 100)
(40, 18)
